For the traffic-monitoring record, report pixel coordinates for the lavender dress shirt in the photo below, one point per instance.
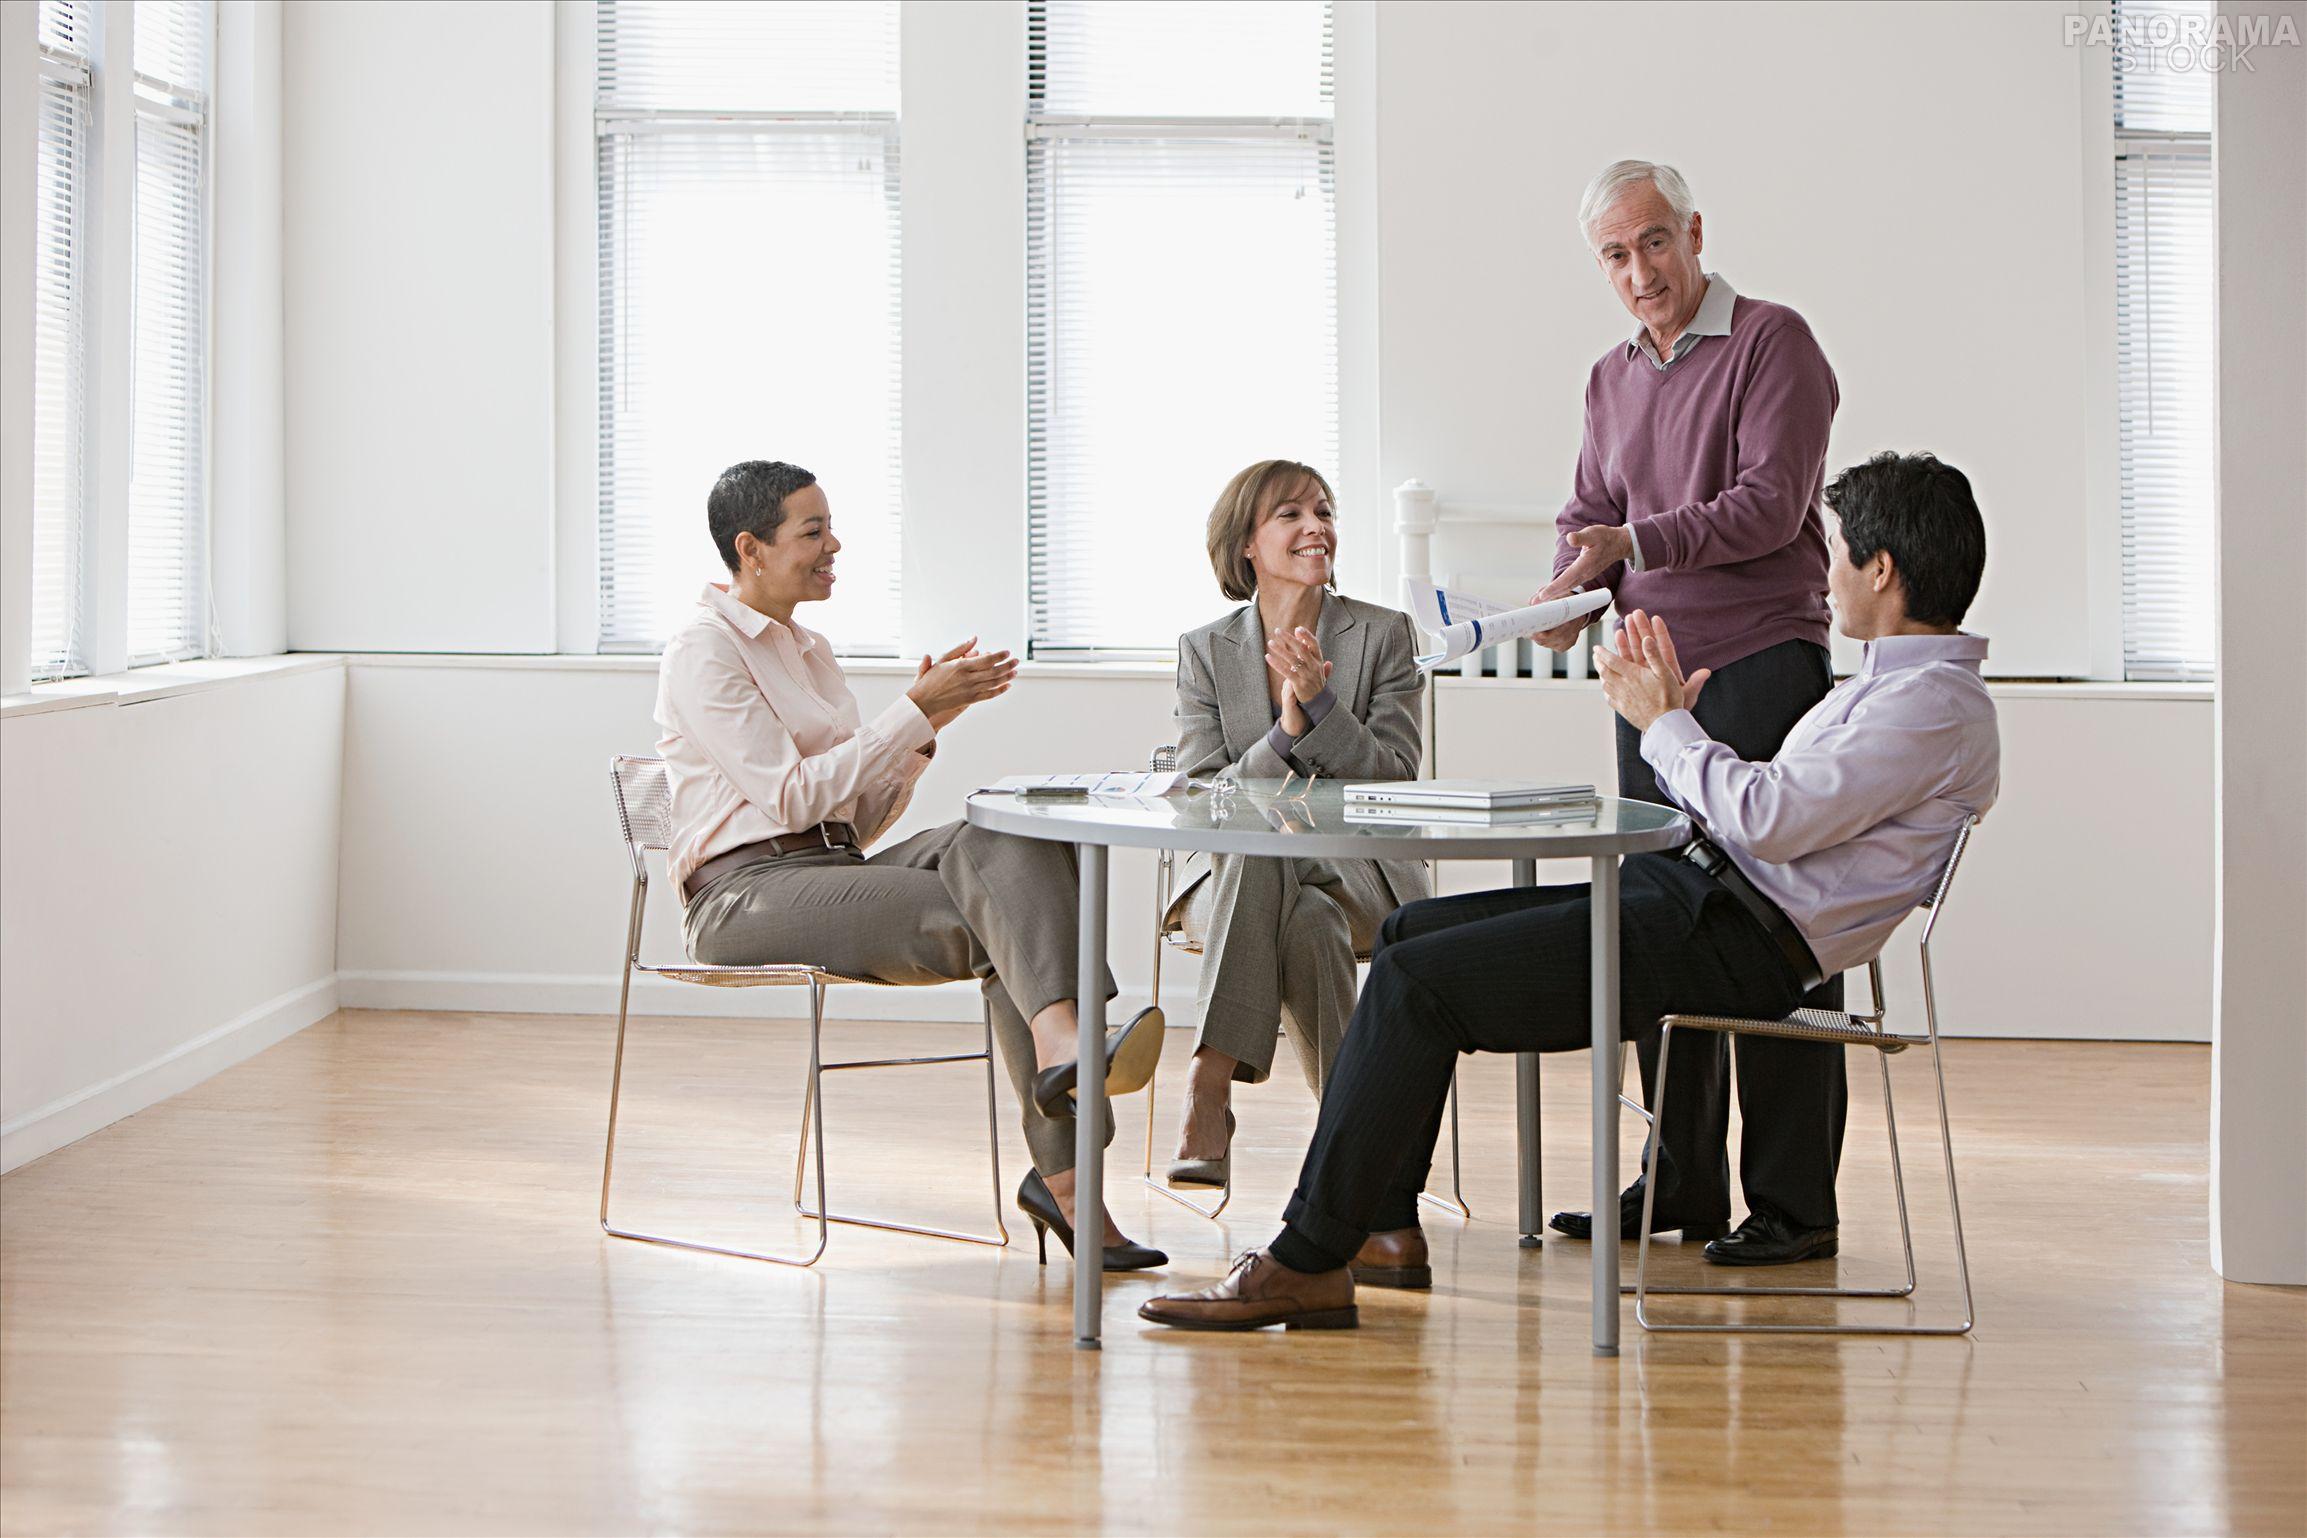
(1850, 826)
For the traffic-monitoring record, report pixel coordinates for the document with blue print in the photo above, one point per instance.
(1120, 782)
(1465, 624)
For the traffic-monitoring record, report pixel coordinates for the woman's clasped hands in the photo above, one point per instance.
(1296, 654)
(946, 686)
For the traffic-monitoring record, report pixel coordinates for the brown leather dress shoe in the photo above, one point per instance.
(1259, 1291)
(1395, 1258)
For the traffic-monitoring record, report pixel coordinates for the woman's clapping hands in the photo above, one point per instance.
(946, 686)
(1297, 655)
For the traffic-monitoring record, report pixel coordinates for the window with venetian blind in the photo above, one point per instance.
(747, 161)
(2163, 320)
(60, 338)
(167, 547)
(1181, 296)
(151, 548)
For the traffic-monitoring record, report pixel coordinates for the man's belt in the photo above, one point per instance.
(826, 835)
(1710, 859)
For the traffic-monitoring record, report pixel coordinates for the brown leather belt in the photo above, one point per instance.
(1709, 858)
(826, 835)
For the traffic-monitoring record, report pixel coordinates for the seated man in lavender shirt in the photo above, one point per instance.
(1805, 865)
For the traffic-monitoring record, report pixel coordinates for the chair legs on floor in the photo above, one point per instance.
(812, 1113)
(1455, 1202)
(809, 1157)
(1643, 1292)
(609, 1154)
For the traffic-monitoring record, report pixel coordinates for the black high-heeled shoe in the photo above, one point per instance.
(1036, 1202)
(1131, 1055)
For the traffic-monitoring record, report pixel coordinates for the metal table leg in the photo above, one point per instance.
(1090, 1107)
(1603, 931)
(1526, 1113)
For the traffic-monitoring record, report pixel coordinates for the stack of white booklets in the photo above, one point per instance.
(1495, 802)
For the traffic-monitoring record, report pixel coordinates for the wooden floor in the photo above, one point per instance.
(354, 1285)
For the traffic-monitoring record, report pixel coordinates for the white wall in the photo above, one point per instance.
(419, 252)
(169, 894)
(964, 325)
(2259, 1059)
(1910, 177)
(248, 553)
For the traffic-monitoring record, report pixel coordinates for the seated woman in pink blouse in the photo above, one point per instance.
(778, 787)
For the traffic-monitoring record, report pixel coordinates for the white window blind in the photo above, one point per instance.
(60, 331)
(2163, 299)
(1181, 296)
(747, 157)
(167, 605)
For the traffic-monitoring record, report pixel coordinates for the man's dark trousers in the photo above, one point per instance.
(1506, 971)
(1792, 1095)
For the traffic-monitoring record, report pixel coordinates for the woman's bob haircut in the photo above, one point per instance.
(1248, 497)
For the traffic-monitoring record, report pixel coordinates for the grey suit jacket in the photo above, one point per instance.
(1373, 732)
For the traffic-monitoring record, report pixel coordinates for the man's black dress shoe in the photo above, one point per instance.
(1763, 1240)
(1580, 1225)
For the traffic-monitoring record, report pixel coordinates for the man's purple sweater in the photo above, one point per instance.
(1717, 463)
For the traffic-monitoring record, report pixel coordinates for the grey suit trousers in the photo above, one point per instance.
(1278, 942)
(946, 904)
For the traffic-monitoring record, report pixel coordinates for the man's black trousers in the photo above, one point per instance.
(1507, 972)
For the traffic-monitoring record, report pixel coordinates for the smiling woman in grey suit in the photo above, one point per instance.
(1298, 679)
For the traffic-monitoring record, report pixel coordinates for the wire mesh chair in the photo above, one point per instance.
(644, 814)
(1829, 1027)
(1165, 760)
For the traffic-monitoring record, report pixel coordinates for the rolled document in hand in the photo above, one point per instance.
(1465, 625)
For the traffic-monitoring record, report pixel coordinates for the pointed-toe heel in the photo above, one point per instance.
(1036, 1202)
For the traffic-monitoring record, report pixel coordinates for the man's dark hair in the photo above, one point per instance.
(749, 498)
(1923, 513)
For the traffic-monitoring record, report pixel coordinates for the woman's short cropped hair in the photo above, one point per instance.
(1248, 497)
(749, 498)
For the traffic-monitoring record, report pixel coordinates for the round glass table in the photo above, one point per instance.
(1274, 817)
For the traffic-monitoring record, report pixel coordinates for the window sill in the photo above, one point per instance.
(164, 681)
(2014, 688)
(609, 662)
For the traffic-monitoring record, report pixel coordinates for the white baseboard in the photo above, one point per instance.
(76, 1115)
(549, 993)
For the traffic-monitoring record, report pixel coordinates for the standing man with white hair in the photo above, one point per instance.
(1697, 500)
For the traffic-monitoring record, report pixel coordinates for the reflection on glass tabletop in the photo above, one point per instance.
(1281, 817)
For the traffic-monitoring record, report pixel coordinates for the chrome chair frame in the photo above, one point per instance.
(643, 816)
(1164, 760)
(1830, 1027)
